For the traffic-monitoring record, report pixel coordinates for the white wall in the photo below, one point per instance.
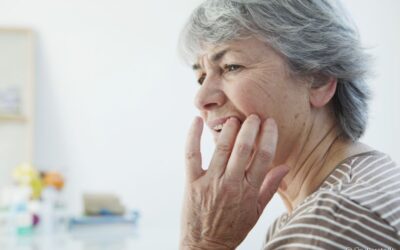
(114, 102)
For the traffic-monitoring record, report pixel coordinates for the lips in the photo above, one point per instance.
(217, 124)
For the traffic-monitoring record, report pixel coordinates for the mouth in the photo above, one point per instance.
(218, 128)
(218, 124)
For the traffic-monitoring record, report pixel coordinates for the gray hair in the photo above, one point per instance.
(316, 38)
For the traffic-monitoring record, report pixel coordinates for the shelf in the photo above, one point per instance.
(17, 118)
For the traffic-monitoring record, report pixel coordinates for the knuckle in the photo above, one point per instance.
(251, 181)
(225, 188)
(244, 149)
(192, 155)
(228, 187)
(265, 155)
(254, 118)
(223, 148)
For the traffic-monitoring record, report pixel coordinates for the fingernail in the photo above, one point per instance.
(198, 120)
(270, 122)
(254, 117)
(233, 120)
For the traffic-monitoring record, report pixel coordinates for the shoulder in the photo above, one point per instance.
(357, 206)
(371, 180)
(329, 220)
(374, 183)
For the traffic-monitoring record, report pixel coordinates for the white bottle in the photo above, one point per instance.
(47, 215)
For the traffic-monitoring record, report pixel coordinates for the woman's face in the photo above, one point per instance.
(247, 77)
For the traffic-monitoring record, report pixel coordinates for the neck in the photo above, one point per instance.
(317, 153)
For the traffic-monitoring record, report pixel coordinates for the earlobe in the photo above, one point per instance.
(323, 92)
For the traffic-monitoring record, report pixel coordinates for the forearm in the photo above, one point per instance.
(203, 244)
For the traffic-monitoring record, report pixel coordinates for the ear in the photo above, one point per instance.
(322, 93)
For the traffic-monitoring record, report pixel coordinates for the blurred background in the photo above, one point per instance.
(95, 105)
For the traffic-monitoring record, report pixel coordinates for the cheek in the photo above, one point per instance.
(246, 100)
(292, 117)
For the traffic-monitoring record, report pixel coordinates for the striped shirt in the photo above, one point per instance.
(356, 207)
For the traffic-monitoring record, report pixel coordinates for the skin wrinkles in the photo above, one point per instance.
(227, 54)
(259, 70)
(295, 151)
(316, 164)
(268, 78)
(301, 162)
(312, 161)
(265, 76)
(258, 84)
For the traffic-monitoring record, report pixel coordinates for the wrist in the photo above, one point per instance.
(203, 244)
(200, 246)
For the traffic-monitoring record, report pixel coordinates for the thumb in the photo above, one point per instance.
(270, 185)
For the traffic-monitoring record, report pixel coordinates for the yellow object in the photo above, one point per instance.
(37, 187)
(26, 175)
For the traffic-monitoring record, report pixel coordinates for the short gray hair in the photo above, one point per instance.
(316, 37)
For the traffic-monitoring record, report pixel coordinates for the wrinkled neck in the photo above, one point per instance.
(312, 159)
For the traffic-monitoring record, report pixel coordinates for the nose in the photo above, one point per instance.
(210, 95)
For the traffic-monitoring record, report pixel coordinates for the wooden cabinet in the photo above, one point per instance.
(16, 99)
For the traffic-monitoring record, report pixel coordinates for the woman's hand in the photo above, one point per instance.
(224, 202)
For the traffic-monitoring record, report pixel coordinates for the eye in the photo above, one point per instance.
(201, 79)
(231, 67)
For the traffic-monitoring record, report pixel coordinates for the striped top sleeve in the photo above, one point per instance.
(357, 207)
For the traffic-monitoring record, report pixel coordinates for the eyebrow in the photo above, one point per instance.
(214, 58)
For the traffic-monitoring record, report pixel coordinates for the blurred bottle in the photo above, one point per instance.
(23, 220)
(21, 217)
(49, 195)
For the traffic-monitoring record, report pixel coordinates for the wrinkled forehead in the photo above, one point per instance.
(244, 49)
(211, 53)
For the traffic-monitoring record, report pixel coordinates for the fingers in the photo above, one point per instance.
(223, 149)
(193, 154)
(270, 185)
(243, 148)
(264, 153)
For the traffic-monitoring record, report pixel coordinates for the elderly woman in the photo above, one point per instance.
(282, 88)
